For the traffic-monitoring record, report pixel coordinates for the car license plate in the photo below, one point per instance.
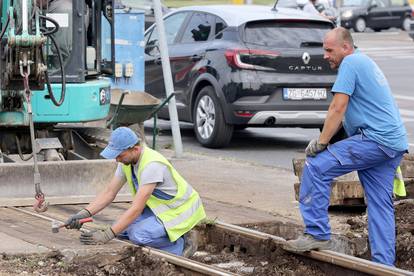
(304, 93)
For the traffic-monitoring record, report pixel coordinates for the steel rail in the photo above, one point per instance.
(171, 258)
(327, 256)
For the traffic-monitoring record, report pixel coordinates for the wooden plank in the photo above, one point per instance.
(298, 165)
(407, 168)
(38, 232)
(342, 193)
(347, 190)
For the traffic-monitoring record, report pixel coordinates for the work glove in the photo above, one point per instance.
(100, 236)
(73, 221)
(314, 147)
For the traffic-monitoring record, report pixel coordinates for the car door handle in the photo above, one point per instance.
(158, 61)
(195, 57)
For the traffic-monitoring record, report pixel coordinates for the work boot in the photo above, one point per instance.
(306, 243)
(190, 243)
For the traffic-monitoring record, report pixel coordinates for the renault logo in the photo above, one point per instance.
(306, 57)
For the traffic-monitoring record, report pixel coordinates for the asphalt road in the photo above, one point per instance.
(394, 53)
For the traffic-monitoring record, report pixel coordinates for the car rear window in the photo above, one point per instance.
(286, 34)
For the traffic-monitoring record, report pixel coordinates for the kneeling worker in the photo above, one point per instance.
(164, 207)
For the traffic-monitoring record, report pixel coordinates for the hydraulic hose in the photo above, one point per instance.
(19, 150)
(51, 20)
(5, 28)
(63, 76)
(62, 70)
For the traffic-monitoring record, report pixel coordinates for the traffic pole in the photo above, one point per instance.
(168, 82)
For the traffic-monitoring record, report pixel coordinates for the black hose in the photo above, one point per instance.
(54, 22)
(62, 71)
(5, 28)
(19, 150)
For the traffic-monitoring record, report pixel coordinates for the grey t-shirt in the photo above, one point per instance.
(154, 172)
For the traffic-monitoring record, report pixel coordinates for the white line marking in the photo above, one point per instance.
(406, 112)
(376, 33)
(411, 144)
(402, 97)
(404, 57)
(407, 120)
(386, 49)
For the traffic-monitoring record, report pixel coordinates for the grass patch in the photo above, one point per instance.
(183, 3)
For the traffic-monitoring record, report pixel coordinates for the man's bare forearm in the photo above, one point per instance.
(332, 124)
(138, 205)
(333, 120)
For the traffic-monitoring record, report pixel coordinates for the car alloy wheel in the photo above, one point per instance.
(210, 126)
(360, 25)
(205, 117)
(406, 25)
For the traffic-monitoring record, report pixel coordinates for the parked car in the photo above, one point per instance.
(376, 14)
(411, 31)
(242, 66)
(324, 7)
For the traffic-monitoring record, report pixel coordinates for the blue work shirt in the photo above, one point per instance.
(371, 108)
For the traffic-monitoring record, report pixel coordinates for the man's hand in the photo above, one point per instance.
(73, 221)
(100, 236)
(314, 148)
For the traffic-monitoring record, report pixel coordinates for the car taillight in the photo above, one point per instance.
(237, 58)
(244, 113)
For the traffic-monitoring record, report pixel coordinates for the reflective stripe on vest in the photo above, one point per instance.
(165, 207)
(184, 215)
(179, 214)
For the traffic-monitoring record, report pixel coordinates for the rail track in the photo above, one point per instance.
(237, 250)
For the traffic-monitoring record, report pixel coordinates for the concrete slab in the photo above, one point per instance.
(12, 245)
(255, 186)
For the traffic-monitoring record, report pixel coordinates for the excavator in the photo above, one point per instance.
(56, 60)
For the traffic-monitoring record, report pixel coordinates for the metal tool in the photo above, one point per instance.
(56, 225)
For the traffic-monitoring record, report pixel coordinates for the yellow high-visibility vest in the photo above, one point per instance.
(179, 214)
(399, 186)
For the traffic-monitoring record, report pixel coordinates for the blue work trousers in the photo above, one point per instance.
(376, 167)
(148, 230)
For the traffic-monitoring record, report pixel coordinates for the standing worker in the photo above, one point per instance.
(310, 7)
(164, 207)
(363, 103)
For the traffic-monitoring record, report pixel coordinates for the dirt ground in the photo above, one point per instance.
(248, 258)
(127, 261)
(404, 219)
(281, 263)
(356, 234)
(405, 235)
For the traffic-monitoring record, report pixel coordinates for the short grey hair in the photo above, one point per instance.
(344, 35)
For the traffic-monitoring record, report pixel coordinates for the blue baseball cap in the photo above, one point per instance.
(121, 139)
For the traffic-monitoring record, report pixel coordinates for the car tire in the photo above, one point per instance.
(210, 127)
(406, 24)
(360, 25)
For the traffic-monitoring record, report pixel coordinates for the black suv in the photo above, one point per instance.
(242, 66)
(376, 14)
